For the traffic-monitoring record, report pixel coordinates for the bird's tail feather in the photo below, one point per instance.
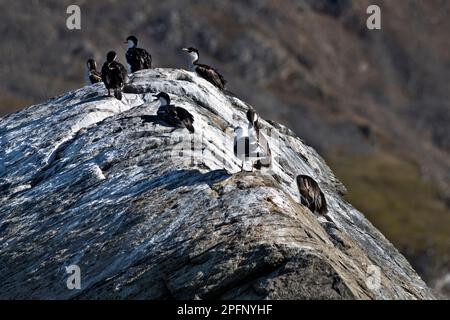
(118, 94)
(189, 126)
(229, 93)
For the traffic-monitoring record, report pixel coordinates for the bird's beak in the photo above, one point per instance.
(185, 49)
(156, 97)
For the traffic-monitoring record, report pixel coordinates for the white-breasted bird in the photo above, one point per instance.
(172, 115)
(251, 145)
(206, 72)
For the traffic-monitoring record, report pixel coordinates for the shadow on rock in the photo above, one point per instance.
(188, 178)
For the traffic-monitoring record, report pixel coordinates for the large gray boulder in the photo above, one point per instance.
(150, 212)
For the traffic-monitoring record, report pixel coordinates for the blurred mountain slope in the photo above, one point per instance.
(352, 93)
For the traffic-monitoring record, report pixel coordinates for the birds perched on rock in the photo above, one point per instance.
(206, 72)
(251, 144)
(93, 75)
(137, 58)
(114, 75)
(172, 115)
(311, 195)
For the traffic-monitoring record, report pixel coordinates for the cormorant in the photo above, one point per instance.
(114, 75)
(251, 144)
(311, 196)
(175, 116)
(204, 71)
(137, 58)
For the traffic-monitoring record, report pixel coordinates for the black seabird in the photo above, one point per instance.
(175, 116)
(251, 144)
(114, 75)
(204, 71)
(93, 74)
(137, 58)
(311, 196)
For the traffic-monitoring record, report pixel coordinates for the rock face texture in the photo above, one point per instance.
(148, 211)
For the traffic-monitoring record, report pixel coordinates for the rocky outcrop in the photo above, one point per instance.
(149, 211)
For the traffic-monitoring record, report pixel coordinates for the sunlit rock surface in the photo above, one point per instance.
(148, 211)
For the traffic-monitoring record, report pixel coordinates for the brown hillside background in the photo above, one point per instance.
(375, 104)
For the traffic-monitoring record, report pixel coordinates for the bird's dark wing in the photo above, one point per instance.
(172, 113)
(323, 208)
(304, 200)
(123, 71)
(186, 118)
(312, 195)
(145, 58)
(138, 59)
(184, 114)
(168, 114)
(133, 60)
(317, 199)
(211, 75)
(306, 192)
(118, 73)
(106, 75)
